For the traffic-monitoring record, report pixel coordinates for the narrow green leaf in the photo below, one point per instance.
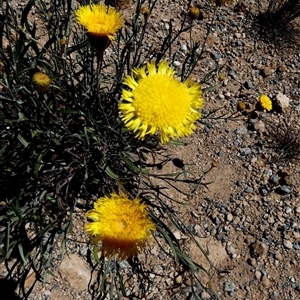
(105, 272)
(7, 241)
(122, 286)
(77, 47)
(2, 150)
(131, 165)
(22, 253)
(21, 116)
(16, 211)
(109, 171)
(56, 141)
(169, 241)
(38, 164)
(22, 140)
(210, 88)
(178, 143)
(95, 254)
(51, 273)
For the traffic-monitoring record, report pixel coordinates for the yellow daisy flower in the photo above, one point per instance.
(101, 23)
(158, 102)
(121, 224)
(41, 82)
(265, 102)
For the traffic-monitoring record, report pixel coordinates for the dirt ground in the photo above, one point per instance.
(247, 214)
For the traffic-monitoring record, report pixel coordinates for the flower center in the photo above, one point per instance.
(161, 101)
(122, 224)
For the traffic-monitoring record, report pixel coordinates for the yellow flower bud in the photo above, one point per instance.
(145, 11)
(241, 106)
(194, 12)
(41, 82)
(221, 77)
(214, 164)
(63, 42)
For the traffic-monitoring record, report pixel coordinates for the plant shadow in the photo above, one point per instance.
(8, 288)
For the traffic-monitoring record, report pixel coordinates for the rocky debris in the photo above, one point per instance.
(243, 217)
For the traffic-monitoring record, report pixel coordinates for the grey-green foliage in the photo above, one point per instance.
(68, 142)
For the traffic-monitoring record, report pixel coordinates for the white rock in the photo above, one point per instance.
(177, 234)
(230, 250)
(47, 293)
(258, 275)
(283, 100)
(288, 210)
(74, 270)
(154, 251)
(205, 295)
(288, 244)
(183, 48)
(229, 217)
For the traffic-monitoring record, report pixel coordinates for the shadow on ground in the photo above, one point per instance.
(7, 288)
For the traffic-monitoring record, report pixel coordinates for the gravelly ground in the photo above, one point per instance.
(248, 216)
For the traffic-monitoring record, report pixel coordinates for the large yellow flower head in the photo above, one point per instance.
(265, 102)
(157, 102)
(100, 21)
(121, 224)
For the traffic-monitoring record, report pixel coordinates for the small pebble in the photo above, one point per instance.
(284, 189)
(205, 295)
(266, 282)
(287, 244)
(197, 228)
(178, 279)
(258, 275)
(274, 179)
(241, 130)
(229, 217)
(245, 151)
(288, 210)
(230, 250)
(183, 47)
(252, 261)
(248, 189)
(229, 286)
(260, 249)
(296, 245)
(275, 294)
(177, 234)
